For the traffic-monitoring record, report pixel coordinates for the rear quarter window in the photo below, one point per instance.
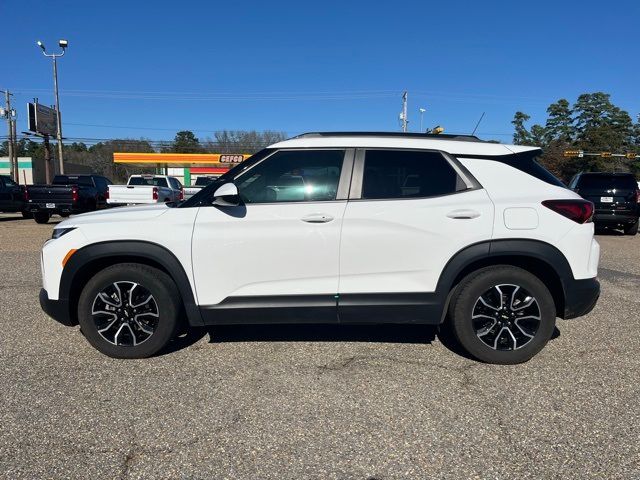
(527, 162)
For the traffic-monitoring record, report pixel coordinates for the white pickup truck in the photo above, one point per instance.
(201, 182)
(145, 189)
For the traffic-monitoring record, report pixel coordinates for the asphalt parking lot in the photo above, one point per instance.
(317, 402)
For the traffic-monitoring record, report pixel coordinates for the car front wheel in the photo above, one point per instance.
(129, 310)
(502, 315)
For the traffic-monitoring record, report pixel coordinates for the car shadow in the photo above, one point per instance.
(403, 334)
(416, 334)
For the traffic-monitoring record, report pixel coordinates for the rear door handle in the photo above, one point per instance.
(463, 214)
(317, 218)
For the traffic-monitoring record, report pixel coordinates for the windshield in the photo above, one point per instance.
(149, 181)
(72, 180)
(203, 195)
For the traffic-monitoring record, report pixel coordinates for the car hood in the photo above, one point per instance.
(117, 214)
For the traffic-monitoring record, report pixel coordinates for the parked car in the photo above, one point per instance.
(144, 189)
(389, 228)
(201, 182)
(67, 194)
(12, 197)
(616, 197)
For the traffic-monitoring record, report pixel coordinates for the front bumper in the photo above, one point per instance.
(580, 296)
(56, 309)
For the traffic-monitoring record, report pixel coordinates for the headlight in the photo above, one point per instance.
(58, 232)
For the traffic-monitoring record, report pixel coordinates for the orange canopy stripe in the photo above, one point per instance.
(180, 159)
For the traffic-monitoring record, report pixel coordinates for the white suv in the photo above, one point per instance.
(339, 228)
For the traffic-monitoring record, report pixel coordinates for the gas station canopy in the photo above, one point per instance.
(180, 160)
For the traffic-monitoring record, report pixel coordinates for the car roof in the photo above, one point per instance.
(453, 144)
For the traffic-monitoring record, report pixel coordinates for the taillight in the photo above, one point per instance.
(106, 194)
(181, 196)
(637, 196)
(74, 194)
(25, 193)
(580, 211)
(155, 193)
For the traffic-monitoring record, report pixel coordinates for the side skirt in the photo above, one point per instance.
(417, 308)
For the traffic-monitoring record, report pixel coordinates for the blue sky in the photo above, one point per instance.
(147, 69)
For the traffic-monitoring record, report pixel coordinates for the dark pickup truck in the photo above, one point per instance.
(12, 197)
(68, 194)
(615, 196)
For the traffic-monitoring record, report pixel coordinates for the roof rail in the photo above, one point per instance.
(437, 136)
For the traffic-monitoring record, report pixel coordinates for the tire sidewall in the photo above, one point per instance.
(158, 284)
(474, 286)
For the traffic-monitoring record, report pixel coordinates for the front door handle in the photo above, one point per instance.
(463, 214)
(317, 218)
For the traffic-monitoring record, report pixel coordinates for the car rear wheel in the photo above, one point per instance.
(502, 315)
(631, 229)
(129, 310)
(41, 217)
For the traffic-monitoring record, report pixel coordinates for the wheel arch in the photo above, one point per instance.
(89, 260)
(540, 258)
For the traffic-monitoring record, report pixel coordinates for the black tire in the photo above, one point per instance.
(510, 346)
(26, 214)
(65, 215)
(165, 297)
(631, 229)
(41, 217)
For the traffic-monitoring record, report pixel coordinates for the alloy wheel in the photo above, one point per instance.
(125, 313)
(506, 317)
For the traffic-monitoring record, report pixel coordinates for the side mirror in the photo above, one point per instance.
(226, 196)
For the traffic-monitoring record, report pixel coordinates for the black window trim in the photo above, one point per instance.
(343, 183)
(355, 193)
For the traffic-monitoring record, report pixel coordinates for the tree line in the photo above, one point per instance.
(592, 124)
(99, 157)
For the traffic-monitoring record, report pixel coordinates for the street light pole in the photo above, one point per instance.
(422, 110)
(63, 44)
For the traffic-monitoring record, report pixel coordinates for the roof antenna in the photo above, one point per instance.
(478, 124)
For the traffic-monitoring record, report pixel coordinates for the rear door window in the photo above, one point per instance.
(394, 174)
(175, 184)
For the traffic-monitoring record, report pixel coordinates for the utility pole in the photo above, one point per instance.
(403, 115)
(7, 114)
(63, 44)
(47, 159)
(14, 162)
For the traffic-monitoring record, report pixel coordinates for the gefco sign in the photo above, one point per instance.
(231, 158)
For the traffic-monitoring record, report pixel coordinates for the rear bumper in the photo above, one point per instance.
(56, 309)
(59, 208)
(580, 296)
(615, 218)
